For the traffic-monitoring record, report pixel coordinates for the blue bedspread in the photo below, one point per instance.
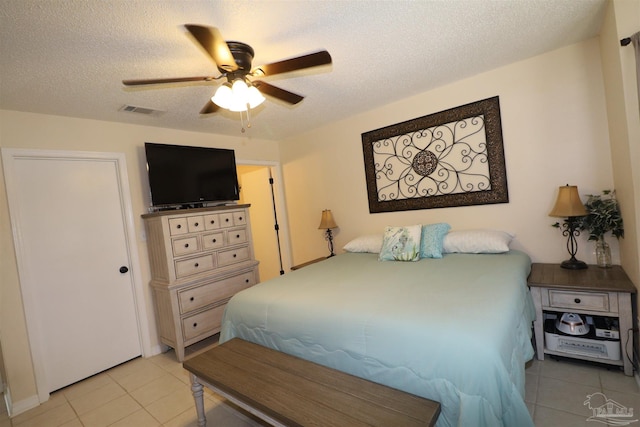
(456, 330)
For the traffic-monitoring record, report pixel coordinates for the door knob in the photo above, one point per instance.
(123, 269)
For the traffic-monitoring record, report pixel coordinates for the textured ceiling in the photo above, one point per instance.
(69, 57)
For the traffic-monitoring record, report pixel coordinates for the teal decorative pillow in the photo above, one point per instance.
(401, 243)
(432, 239)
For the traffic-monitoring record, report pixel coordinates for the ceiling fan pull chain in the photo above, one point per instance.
(248, 117)
(241, 122)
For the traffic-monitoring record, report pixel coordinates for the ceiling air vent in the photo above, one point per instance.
(140, 110)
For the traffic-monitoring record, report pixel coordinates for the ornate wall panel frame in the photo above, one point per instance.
(450, 158)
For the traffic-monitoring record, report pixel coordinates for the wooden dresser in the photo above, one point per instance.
(199, 259)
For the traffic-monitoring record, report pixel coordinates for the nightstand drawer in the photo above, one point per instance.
(595, 301)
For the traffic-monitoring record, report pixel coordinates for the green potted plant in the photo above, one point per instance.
(604, 216)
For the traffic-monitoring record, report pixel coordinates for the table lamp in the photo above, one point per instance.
(327, 223)
(569, 206)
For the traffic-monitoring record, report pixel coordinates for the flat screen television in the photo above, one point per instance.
(184, 176)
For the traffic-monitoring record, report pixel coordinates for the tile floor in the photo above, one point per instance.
(141, 393)
(155, 392)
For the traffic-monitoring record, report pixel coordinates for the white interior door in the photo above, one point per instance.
(71, 242)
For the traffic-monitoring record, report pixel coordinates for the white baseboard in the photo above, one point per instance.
(17, 408)
(157, 349)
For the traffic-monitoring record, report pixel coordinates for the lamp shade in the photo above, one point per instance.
(568, 203)
(254, 97)
(223, 96)
(327, 221)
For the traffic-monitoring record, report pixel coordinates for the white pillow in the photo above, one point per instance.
(477, 241)
(371, 243)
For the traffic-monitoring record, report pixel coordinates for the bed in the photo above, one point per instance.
(456, 329)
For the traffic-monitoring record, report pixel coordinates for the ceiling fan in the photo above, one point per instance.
(233, 60)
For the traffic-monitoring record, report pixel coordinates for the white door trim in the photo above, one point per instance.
(9, 156)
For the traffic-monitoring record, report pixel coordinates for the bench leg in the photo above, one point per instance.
(196, 388)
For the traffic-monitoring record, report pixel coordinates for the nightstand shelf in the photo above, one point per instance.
(595, 292)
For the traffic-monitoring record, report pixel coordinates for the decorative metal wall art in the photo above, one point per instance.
(451, 158)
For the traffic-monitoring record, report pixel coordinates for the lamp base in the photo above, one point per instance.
(573, 264)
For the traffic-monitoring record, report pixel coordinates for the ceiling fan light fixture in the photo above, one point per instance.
(223, 96)
(255, 97)
(240, 89)
(241, 96)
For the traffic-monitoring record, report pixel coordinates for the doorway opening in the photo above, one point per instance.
(261, 186)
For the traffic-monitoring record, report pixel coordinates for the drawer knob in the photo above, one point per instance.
(178, 226)
(191, 299)
(237, 236)
(227, 220)
(196, 265)
(577, 300)
(214, 240)
(240, 218)
(234, 255)
(212, 222)
(195, 325)
(196, 224)
(246, 280)
(186, 245)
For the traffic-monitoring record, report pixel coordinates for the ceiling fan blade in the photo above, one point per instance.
(209, 108)
(276, 92)
(212, 42)
(299, 63)
(168, 80)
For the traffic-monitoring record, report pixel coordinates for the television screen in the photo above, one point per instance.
(190, 176)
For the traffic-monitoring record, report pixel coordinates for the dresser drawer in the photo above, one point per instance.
(195, 265)
(195, 223)
(226, 219)
(233, 256)
(213, 240)
(596, 301)
(201, 296)
(178, 226)
(185, 246)
(239, 218)
(211, 222)
(237, 236)
(202, 323)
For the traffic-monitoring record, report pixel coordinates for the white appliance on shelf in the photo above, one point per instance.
(591, 345)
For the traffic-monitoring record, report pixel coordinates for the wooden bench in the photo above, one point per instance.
(288, 391)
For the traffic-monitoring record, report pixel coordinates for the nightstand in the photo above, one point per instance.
(601, 292)
(313, 261)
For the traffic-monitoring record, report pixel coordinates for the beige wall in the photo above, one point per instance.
(33, 131)
(554, 126)
(619, 70)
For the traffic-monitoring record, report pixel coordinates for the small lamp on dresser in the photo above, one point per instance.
(568, 205)
(327, 223)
